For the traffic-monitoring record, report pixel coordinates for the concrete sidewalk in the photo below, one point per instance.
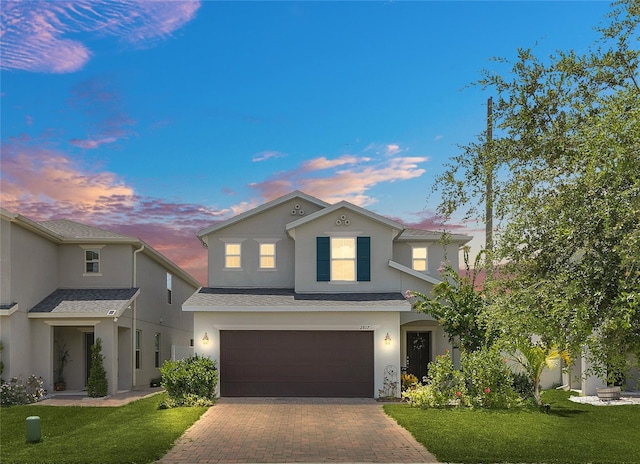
(80, 398)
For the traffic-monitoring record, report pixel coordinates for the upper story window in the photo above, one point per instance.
(267, 255)
(232, 255)
(343, 259)
(169, 287)
(92, 265)
(419, 258)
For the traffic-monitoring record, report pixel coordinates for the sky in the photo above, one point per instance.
(157, 119)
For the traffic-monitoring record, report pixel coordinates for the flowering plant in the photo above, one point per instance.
(15, 391)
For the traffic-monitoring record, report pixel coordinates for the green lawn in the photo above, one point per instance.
(135, 433)
(570, 433)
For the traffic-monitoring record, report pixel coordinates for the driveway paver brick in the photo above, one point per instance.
(268, 430)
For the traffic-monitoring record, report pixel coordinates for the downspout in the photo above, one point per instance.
(134, 316)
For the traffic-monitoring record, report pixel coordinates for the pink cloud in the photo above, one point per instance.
(43, 183)
(28, 120)
(392, 149)
(355, 176)
(33, 37)
(321, 163)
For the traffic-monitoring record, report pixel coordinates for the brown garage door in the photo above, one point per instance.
(296, 363)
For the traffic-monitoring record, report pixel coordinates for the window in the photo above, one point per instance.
(91, 260)
(343, 259)
(232, 255)
(156, 341)
(169, 278)
(267, 255)
(419, 258)
(138, 345)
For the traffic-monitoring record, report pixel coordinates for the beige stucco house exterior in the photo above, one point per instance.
(63, 283)
(306, 298)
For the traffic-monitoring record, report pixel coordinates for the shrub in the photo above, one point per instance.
(489, 379)
(485, 380)
(190, 382)
(444, 386)
(18, 392)
(97, 385)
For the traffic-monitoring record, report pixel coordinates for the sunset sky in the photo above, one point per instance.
(157, 119)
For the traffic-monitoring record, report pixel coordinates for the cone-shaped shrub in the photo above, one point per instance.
(97, 386)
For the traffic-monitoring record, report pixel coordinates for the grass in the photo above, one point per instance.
(138, 432)
(571, 433)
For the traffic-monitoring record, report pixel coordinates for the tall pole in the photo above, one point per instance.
(489, 186)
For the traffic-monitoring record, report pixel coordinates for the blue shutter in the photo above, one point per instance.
(323, 259)
(363, 253)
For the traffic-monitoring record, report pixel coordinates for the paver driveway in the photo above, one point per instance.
(261, 430)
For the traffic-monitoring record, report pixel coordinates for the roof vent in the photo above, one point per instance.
(112, 312)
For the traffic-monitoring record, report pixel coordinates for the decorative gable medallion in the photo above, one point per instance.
(297, 209)
(343, 220)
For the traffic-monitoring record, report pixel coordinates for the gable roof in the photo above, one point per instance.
(71, 230)
(350, 206)
(260, 209)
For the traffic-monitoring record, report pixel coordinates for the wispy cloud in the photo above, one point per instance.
(392, 149)
(36, 34)
(348, 177)
(43, 183)
(266, 155)
(103, 109)
(89, 144)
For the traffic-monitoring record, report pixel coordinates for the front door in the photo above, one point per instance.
(88, 343)
(418, 353)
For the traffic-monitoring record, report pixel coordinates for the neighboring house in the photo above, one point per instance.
(306, 298)
(64, 284)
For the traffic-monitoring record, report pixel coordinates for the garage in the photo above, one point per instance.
(296, 363)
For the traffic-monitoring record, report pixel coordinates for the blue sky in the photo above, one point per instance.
(157, 119)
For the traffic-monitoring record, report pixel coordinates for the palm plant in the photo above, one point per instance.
(534, 358)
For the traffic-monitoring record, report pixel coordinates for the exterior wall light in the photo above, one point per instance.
(387, 339)
(205, 339)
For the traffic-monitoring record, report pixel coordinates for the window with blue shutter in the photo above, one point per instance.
(362, 264)
(323, 259)
(364, 259)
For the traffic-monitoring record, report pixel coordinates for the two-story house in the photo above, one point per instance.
(306, 298)
(64, 284)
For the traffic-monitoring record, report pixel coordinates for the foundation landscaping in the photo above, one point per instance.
(570, 433)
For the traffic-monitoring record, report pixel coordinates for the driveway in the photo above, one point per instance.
(261, 430)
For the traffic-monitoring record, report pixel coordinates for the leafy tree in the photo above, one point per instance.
(97, 385)
(457, 304)
(566, 195)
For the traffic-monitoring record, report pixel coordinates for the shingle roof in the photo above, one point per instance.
(72, 229)
(86, 301)
(287, 297)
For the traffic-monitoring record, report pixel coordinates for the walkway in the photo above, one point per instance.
(80, 398)
(268, 430)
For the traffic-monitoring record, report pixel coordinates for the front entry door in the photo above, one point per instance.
(418, 353)
(88, 343)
